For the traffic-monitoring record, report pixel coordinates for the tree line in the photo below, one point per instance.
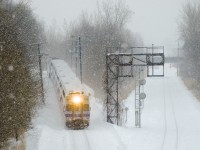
(105, 27)
(20, 88)
(190, 35)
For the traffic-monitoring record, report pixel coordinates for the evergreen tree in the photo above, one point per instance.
(19, 84)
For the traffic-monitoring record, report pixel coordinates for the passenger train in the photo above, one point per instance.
(73, 96)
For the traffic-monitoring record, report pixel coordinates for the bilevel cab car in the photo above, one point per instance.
(73, 96)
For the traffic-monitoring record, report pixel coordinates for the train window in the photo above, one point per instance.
(69, 107)
(85, 107)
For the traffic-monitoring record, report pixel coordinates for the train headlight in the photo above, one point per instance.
(77, 99)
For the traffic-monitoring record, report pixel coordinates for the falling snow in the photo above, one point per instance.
(11, 96)
(10, 68)
(158, 124)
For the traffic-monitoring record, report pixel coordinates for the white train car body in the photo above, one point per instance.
(73, 96)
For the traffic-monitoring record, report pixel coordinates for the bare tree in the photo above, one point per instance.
(190, 35)
(106, 27)
(55, 40)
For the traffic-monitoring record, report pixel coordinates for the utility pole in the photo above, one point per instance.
(152, 59)
(178, 61)
(72, 49)
(40, 67)
(80, 56)
(74, 53)
(78, 52)
(126, 109)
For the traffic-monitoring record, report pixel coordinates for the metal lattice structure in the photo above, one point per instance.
(125, 65)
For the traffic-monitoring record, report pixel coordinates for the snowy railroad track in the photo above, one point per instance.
(169, 122)
(174, 115)
(165, 118)
(170, 139)
(80, 140)
(113, 131)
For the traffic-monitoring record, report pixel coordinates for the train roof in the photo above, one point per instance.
(67, 77)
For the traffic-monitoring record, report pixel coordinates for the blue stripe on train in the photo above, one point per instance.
(77, 115)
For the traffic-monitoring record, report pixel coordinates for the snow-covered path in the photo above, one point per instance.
(169, 118)
(186, 112)
(170, 121)
(180, 114)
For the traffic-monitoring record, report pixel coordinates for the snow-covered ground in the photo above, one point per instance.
(169, 122)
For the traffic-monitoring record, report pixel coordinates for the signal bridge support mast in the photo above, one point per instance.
(139, 93)
(130, 65)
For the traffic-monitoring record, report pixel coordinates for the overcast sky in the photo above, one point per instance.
(155, 20)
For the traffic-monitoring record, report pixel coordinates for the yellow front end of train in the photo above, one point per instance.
(77, 110)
